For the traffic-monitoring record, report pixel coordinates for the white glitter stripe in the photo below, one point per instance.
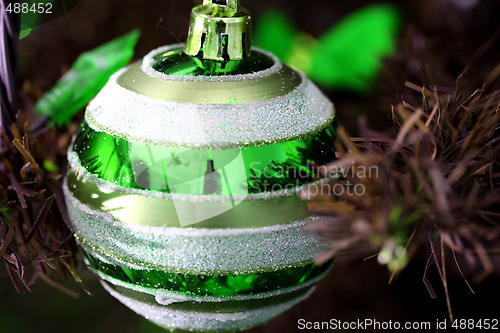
(188, 320)
(97, 253)
(141, 119)
(166, 297)
(195, 249)
(148, 61)
(74, 163)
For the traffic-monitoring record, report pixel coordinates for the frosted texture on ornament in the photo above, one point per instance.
(190, 320)
(196, 250)
(137, 118)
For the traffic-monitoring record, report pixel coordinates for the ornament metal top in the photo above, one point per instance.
(184, 178)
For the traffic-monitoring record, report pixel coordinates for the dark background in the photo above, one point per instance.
(355, 289)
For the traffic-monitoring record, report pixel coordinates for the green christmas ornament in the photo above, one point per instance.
(184, 179)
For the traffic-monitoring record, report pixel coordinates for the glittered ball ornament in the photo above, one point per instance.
(183, 179)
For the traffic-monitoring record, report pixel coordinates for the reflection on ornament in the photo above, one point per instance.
(184, 178)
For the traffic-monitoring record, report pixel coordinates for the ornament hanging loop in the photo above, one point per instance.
(231, 4)
(220, 30)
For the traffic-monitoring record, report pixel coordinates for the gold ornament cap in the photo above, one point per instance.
(220, 30)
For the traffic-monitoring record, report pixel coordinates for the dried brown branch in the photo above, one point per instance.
(438, 175)
(34, 234)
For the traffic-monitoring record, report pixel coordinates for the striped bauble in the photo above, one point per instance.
(183, 191)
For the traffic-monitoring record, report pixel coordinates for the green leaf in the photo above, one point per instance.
(87, 76)
(349, 54)
(24, 33)
(276, 33)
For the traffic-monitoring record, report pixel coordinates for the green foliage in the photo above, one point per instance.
(346, 56)
(275, 32)
(87, 76)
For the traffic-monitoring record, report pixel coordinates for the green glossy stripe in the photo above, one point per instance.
(233, 171)
(210, 285)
